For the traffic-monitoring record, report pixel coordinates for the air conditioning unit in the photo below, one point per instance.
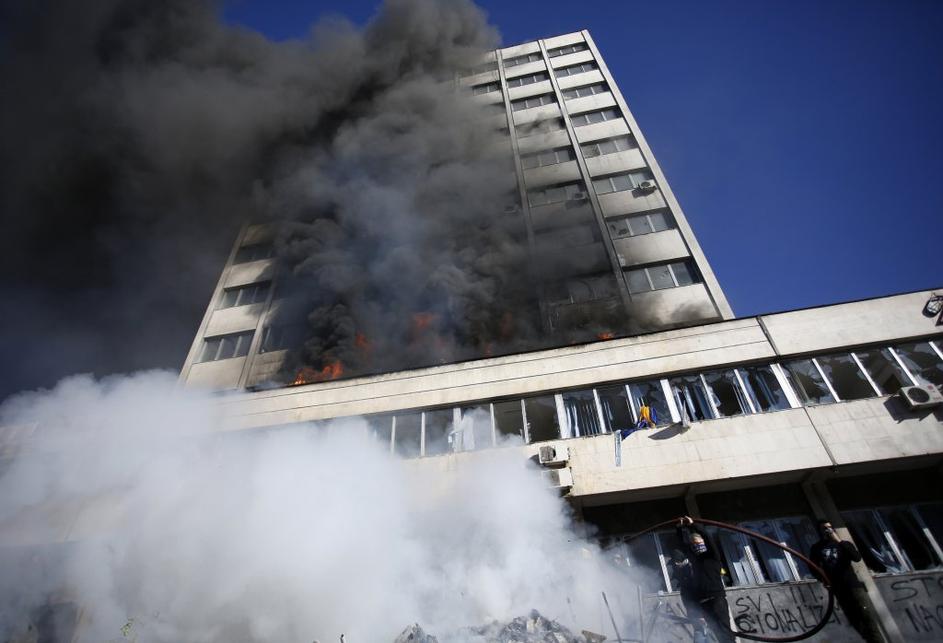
(550, 455)
(561, 479)
(647, 186)
(921, 397)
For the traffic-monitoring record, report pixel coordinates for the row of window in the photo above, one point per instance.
(567, 49)
(624, 182)
(254, 252)
(660, 276)
(590, 150)
(591, 118)
(897, 539)
(556, 194)
(632, 225)
(522, 59)
(244, 295)
(573, 70)
(491, 65)
(486, 88)
(586, 90)
(718, 393)
(529, 79)
(533, 101)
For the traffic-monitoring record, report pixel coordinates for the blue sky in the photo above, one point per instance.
(804, 140)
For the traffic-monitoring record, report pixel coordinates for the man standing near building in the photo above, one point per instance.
(835, 557)
(699, 575)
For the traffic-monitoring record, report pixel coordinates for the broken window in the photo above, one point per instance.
(652, 394)
(763, 388)
(541, 416)
(509, 421)
(691, 398)
(883, 369)
(254, 252)
(225, 346)
(845, 377)
(580, 412)
(438, 432)
(556, 194)
(728, 398)
(380, 427)
(407, 435)
(910, 537)
(244, 295)
(474, 428)
(873, 542)
(923, 362)
(615, 408)
(807, 382)
(277, 338)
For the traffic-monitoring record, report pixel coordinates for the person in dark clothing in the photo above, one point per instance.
(835, 557)
(699, 575)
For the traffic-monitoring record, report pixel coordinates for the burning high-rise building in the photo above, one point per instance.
(584, 240)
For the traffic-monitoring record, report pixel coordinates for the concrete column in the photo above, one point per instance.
(824, 508)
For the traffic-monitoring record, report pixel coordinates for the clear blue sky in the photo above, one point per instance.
(804, 140)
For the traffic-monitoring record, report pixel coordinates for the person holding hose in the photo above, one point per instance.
(699, 575)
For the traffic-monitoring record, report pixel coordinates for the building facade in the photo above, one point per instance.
(602, 222)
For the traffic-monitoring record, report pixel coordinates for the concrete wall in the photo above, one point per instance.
(916, 603)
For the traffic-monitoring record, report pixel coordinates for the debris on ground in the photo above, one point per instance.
(533, 628)
(415, 634)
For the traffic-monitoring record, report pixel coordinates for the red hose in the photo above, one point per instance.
(818, 571)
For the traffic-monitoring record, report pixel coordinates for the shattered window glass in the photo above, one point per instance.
(883, 369)
(922, 361)
(474, 429)
(728, 398)
(845, 376)
(615, 408)
(541, 414)
(509, 421)
(807, 382)
(581, 415)
(763, 388)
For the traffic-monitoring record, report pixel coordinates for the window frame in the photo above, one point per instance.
(568, 93)
(632, 176)
(523, 104)
(576, 47)
(255, 288)
(646, 216)
(671, 271)
(606, 115)
(583, 68)
(528, 79)
(248, 335)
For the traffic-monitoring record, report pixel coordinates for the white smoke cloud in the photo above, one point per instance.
(191, 533)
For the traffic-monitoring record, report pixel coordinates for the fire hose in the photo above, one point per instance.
(818, 571)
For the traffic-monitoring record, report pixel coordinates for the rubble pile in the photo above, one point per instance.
(415, 634)
(533, 628)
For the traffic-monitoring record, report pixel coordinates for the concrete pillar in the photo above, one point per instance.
(824, 508)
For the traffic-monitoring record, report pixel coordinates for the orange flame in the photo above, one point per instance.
(308, 375)
(605, 335)
(361, 341)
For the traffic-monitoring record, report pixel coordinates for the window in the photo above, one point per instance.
(589, 118)
(691, 397)
(580, 414)
(666, 275)
(244, 295)
(533, 101)
(763, 388)
(522, 60)
(770, 564)
(585, 90)
(728, 397)
(277, 338)
(529, 79)
(580, 289)
(884, 370)
(923, 360)
(555, 194)
(254, 252)
(615, 408)
(621, 182)
(541, 416)
(572, 70)
(653, 395)
(609, 146)
(806, 380)
(568, 49)
(847, 380)
(486, 88)
(897, 539)
(491, 65)
(635, 224)
(439, 436)
(474, 428)
(541, 127)
(509, 421)
(550, 157)
(407, 434)
(381, 428)
(225, 346)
